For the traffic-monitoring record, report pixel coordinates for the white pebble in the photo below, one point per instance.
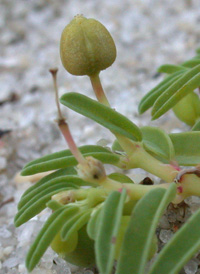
(7, 250)
(11, 262)
(4, 232)
(191, 267)
(22, 268)
(165, 235)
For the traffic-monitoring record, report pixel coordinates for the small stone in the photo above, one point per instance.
(191, 267)
(7, 250)
(4, 232)
(26, 233)
(165, 235)
(22, 268)
(171, 216)
(11, 262)
(61, 266)
(164, 224)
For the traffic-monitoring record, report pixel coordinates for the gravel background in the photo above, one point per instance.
(147, 34)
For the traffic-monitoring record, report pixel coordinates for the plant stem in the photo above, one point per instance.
(98, 89)
(142, 159)
(54, 76)
(125, 143)
(135, 191)
(63, 126)
(190, 184)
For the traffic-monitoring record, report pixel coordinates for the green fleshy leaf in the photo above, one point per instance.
(196, 126)
(103, 115)
(93, 223)
(54, 205)
(149, 99)
(69, 181)
(187, 147)
(104, 157)
(67, 153)
(38, 203)
(156, 141)
(53, 175)
(47, 234)
(120, 177)
(183, 86)
(168, 68)
(180, 249)
(141, 230)
(108, 229)
(191, 63)
(75, 224)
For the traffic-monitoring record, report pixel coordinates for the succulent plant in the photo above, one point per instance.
(99, 218)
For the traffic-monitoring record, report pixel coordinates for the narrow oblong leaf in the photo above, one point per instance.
(37, 204)
(168, 68)
(108, 229)
(141, 229)
(149, 99)
(54, 205)
(67, 153)
(47, 234)
(187, 147)
(53, 175)
(183, 86)
(191, 63)
(67, 181)
(93, 223)
(156, 141)
(180, 248)
(104, 157)
(76, 224)
(101, 114)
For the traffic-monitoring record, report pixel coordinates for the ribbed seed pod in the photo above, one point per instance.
(86, 47)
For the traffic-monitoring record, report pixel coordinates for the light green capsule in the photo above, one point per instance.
(86, 47)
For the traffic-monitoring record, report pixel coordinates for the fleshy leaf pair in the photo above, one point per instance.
(181, 81)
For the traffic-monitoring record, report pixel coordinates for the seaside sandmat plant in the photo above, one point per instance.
(107, 220)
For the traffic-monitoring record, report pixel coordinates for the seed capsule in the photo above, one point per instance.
(86, 47)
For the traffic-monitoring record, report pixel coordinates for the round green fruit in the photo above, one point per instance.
(86, 47)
